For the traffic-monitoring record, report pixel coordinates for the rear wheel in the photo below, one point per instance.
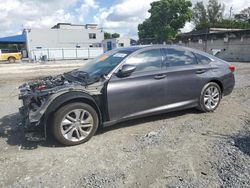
(75, 123)
(12, 59)
(210, 97)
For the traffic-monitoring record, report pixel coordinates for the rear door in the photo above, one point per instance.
(184, 75)
(141, 92)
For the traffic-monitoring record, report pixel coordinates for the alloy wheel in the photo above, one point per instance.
(211, 97)
(76, 125)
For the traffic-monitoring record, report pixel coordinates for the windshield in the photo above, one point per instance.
(105, 63)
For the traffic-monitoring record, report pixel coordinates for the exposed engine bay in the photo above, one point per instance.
(37, 95)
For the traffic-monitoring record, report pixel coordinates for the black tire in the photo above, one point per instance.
(60, 115)
(11, 59)
(202, 106)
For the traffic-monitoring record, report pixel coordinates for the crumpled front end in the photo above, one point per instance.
(38, 95)
(34, 96)
(32, 103)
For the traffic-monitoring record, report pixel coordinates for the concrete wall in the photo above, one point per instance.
(231, 48)
(62, 38)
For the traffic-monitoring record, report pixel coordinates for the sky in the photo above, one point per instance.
(122, 16)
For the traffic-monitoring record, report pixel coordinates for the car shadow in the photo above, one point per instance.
(15, 136)
(147, 119)
(242, 141)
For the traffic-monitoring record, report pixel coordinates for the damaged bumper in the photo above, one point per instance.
(26, 122)
(34, 130)
(31, 118)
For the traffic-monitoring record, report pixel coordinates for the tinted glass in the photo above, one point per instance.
(9, 51)
(179, 57)
(150, 60)
(202, 59)
(103, 64)
(5, 51)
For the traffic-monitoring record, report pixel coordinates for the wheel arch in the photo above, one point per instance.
(65, 99)
(11, 57)
(219, 83)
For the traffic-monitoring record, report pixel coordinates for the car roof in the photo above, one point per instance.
(152, 46)
(135, 48)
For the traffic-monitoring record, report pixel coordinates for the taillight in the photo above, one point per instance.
(231, 68)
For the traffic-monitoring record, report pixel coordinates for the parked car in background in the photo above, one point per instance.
(124, 84)
(10, 55)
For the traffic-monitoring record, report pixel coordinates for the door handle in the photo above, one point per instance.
(160, 76)
(200, 71)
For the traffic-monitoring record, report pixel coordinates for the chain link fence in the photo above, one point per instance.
(65, 53)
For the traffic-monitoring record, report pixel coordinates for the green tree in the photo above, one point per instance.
(215, 12)
(167, 17)
(243, 16)
(109, 35)
(200, 17)
(226, 23)
(208, 16)
(115, 35)
(146, 32)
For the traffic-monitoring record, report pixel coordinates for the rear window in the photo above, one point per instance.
(202, 59)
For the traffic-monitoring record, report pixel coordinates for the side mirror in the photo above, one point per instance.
(125, 71)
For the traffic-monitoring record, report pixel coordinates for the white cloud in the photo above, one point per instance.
(189, 26)
(122, 16)
(125, 15)
(48, 21)
(84, 9)
(17, 14)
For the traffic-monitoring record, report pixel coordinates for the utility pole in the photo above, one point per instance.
(230, 17)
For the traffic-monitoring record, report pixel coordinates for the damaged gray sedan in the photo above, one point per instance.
(124, 84)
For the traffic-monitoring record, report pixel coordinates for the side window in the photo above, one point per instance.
(5, 51)
(179, 57)
(202, 59)
(150, 60)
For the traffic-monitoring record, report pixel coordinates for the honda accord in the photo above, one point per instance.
(124, 84)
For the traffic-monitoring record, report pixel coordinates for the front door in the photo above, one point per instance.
(141, 92)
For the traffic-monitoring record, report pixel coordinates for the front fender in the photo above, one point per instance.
(56, 100)
(66, 97)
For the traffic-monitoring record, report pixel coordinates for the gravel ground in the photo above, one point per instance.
(179, 149)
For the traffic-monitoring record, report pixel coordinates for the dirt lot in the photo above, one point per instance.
(180, 149)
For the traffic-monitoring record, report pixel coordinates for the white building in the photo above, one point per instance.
(110, 44)
(65, 41)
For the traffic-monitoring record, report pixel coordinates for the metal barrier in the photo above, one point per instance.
(65, 53)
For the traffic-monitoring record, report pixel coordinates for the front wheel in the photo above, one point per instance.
(12, 59)
(75, 123)
(210, 97)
